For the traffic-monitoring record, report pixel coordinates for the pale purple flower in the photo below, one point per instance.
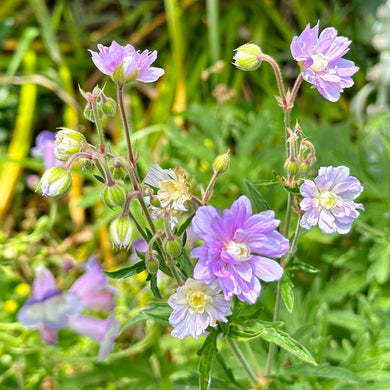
(328, 200)
(93, 289)
(45, 149)
(321, 62)
(237, 248)
(196, 306)
(124, 63)
(49, 309)
(104, 332)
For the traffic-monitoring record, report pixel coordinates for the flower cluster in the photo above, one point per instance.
(51, 309)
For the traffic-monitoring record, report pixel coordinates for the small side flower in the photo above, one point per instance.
(321, 62)
(328, 201)
(196, 306)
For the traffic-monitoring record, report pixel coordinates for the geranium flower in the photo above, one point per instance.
(320, 60)
(237, 248)
(328, 200)
(45, 146)
(49, 309)
(196, 306)
(124, 63)
(172, 184)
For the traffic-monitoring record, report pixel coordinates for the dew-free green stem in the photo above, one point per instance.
(241, 358)
(98, 125)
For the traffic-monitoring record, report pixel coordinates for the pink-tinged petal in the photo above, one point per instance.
(308, 189)
(251, 293)
(326, 222)
(150, 75)
(204, 220)
(266, 269)
(241, 210)
(44, 284)
(304, 45)
(310, 218)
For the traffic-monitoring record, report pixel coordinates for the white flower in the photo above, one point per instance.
(172, 184)
(196, 306)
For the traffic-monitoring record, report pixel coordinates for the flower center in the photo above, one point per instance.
(197, 301)
(328, 200)
(239, 250)
(320, 63)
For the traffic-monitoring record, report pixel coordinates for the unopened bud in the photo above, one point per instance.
(68, 142)
(88, 113)
(119, 173)
(246, 57)
(107, 106)
(173, 247)
(151, 262)
(86, 164)
(121, 231)
(291, 167)
(221, 163)
(114, 195)
(55, 182)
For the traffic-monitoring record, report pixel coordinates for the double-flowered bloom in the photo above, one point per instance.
(51, 309)
(329, 200)
(125, 64)
(320, 58)
(196, 306)
(237, 249)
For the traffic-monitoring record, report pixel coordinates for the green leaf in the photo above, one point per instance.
(300, 265)
(257, 199)
(185, 264)
(153, 286)
(159, 312)
(380, 267)
(185, 225)
(265, 182)
(126, 272)
(99, 178)
(206, 353)
(286, 289)
(270, 332)
(326, 371)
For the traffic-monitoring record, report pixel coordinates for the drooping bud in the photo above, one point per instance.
(86, 164)
(173, 247)
(88, 113)
(221, 163)
(121, 231)
(151, 262)
(114, 195)
(68, 142)
(55, 182)
(246, 57)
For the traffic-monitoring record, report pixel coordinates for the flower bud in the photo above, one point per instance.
(107, 106)
(246, 57)
(119, 173)
(173, 247)
(55, 182)
(88, 113)
(68, 142)
(86, 164)
(291, 167)
(221, 163)
(151, 262)
(121, 231)
(114, 195)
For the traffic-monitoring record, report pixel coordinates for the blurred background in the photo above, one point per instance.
(200, 108)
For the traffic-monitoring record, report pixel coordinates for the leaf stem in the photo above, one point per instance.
(241, 358)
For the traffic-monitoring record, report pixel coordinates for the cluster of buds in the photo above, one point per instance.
(301, 156)
(97, 99)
